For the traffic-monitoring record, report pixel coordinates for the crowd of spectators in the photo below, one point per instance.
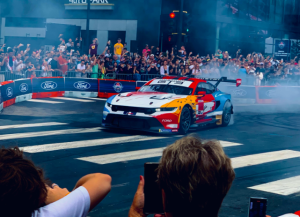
(68, 59)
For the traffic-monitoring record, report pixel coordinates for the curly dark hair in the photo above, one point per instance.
(22, 184)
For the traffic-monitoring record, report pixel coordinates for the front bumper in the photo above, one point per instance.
(149, 124)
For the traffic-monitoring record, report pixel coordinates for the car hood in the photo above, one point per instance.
(145, 99)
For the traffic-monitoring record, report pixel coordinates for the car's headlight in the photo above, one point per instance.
(108, 104)
(166, 109)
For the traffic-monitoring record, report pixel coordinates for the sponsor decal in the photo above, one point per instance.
(178, 82)
(9, 92)
(23, 87)
(162, 81)
(49, 85)
(130, 113)
(85, 1)
(118, 87)
(271, 93)
(200, 112)
(165, 130)
(208, 106)
(281, 45)
(82, 85)
(167, 120)
(174, 131)
(239, 92)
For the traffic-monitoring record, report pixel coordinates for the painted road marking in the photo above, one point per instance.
(73, 99)
(44, 101)
(283, 187)
(86, 143)
(32, 125)
(134, 155)
(101, 99)
(256, 159)
(49, 133)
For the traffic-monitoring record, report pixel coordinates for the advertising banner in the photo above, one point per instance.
(22, 87)
(139, 84)
(279, 94)
(82, 85)
(244, 92)
(115, 86)
(40, 85)
(282, 49)
(1, 101)
(8, 91)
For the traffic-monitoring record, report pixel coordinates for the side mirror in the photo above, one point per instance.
(202, 93)
(238, 82)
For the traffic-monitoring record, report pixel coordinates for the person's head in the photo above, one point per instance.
(147, 46)
(157, 48)
(165, 62)
(119, 40)
(195, 177)
(115, 57)
(70, 40)
(22, 184)
(82, 62)
(19, 56)
(151, 57)
(182, 48)
(102, 63)
(10, 52)
(108, 51)
(115, 64)
(94, 41)
(78, 44)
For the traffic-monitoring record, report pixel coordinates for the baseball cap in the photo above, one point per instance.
(152, 55)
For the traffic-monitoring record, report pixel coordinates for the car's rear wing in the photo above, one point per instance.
(238, 81)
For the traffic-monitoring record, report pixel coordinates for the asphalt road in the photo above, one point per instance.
(64, 136)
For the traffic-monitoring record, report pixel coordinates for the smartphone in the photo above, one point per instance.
(257, 207)
(153, 194)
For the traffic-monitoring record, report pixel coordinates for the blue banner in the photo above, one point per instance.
(8, 91)
(23, 86)
(242, 92)
(81, 84)
(1, 99)
(107, 86)
(40, 85)
(140, 83)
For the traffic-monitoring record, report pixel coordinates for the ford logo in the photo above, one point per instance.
(9, 92)
(24, 88)
(49, 85)
(239, 93)
(271, 93)
(82, 85)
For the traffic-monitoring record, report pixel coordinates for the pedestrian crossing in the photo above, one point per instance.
(130, 148)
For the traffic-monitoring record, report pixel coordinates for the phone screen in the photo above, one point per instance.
(153, 195)
(257, 207)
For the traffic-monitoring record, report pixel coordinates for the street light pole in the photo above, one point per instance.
(179, 39)
(88, 24)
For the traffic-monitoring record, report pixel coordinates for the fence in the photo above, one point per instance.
(135, 77)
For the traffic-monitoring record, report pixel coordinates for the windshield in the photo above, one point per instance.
(178, 90)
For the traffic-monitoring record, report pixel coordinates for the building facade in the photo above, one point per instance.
(135, 21)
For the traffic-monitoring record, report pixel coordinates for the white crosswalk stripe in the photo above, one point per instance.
(283, 187)
(46, 124)
(86, 143)
(256, 159)
(134, 155)
(49, 133)
(44, 101)
(73, 99)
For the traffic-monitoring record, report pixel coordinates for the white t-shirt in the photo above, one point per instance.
(80, 67)
(76, 204)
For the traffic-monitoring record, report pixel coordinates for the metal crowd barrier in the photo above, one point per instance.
(136, 77)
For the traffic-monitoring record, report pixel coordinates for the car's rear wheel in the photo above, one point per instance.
(226, 114)
(185, 121)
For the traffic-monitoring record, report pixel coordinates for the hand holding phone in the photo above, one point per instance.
(257, 207)
(153, 194)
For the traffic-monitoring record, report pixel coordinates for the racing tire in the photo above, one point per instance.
(185, 121)
(226, 117)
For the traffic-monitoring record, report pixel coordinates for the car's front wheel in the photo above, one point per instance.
(226, 114)
(185, 121)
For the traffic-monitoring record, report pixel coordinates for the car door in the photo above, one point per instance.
(205, 102)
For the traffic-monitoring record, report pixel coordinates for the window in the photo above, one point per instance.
(208, 88)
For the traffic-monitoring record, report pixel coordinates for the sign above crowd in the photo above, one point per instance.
(86, 1)
(95, 5)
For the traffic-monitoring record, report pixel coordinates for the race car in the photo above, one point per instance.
(171, 105)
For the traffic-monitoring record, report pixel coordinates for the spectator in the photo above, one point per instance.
(93, 48)
(146, 50)
(152, 69)
(81, 69)
(136, 74)
(63, 64)
(23, 185)
(188, 190)
(164, 69)
(102, 70)
(118, 48)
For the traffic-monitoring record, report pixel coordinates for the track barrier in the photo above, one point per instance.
(23, 89)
